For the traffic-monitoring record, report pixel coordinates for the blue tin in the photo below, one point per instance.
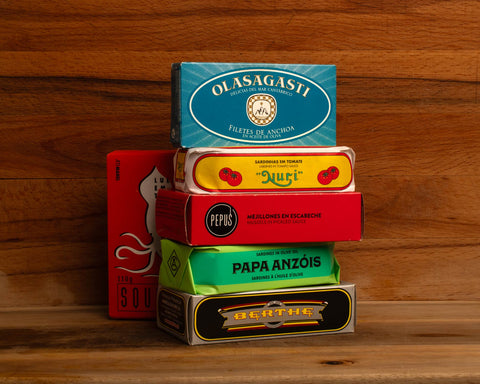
(241, 104)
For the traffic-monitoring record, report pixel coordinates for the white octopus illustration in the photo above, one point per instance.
(149, 187)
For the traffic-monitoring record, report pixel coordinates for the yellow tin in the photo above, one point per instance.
(267, 169)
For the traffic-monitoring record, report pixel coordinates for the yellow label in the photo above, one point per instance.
(273, 172)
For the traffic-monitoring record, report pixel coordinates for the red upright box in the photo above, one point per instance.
(265, 218)
(133, 180)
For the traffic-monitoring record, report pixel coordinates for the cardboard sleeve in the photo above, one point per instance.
(290, 312)
(252, 104)
(259, 218)
(215, 270)
(265, 169)
(133, 179)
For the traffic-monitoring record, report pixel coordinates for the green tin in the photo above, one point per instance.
(210, 270)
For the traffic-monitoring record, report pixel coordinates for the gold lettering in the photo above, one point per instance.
(280, 82)
(293, 311)
(290, 84)
(308, 311)
(217, 89)
(300, 85)
(268, 80)
(240, 316)
(224, 83)
(257, 80)
(236, 83)
(246, 80)
(254, 315)
(267, 313)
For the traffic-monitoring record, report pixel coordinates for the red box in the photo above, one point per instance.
(263, 218)
(133, 180)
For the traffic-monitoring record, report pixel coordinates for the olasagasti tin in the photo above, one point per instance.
(238, 104)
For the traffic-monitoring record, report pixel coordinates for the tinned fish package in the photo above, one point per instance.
(264, 169)
(289, 312)
(259, 218)
(134, 178)
(257, 104)
(210, 270)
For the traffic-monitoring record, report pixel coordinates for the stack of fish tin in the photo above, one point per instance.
(261, 194)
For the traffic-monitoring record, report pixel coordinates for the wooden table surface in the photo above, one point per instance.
(81, 79)
(400, 342)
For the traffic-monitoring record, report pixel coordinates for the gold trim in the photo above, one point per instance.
(276, 334)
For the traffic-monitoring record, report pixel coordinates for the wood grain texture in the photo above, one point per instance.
(78, 81)
(412, 269)
(285, 25)
(407, 342)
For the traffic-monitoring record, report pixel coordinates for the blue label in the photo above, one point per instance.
(259, 105)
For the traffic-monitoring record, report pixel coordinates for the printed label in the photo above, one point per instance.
(134, 179)
(171, 311)
(124, 253)
(221, 220)
(139, 297)
(261, 109)
(174, 263)
(251, 266)
(219, 172)
(273, 314)
(260, 105)
(242, 316)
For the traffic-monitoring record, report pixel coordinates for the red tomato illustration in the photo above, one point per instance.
(324, 177)
(334, 172)
(224, 173)
(234, 179)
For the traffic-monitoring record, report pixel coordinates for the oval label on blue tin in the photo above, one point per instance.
(260, 106)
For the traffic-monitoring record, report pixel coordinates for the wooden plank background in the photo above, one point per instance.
(80, 79)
